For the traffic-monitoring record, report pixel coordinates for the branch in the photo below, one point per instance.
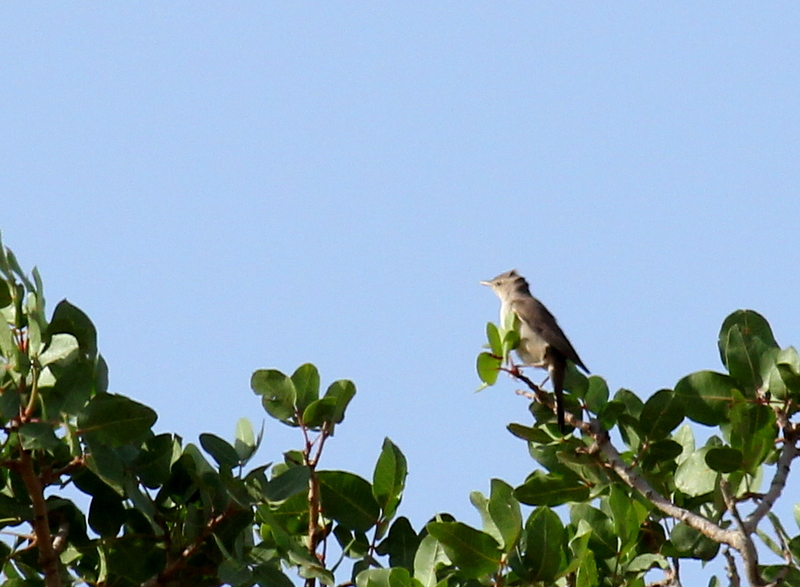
(169, 574)
(612, 457)
(788, 453)
(48, 558)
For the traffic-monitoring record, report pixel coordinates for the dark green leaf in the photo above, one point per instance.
(597, 395)
(5, 295)
(543, 489)
(152, 464)
(724, 459)
(610, 413)
(692, 544)
(488, 368)
(38, 435)
(603, 541)
(743, 339)
(401, 544)
(222, 452)
(116, 419)
(528, 433)
(544, 555)
(306, 384)
(106, 515)
(753, 431)
(291, 482)
(661, 414)
(72, 320)
(706, 396)
(347, 498)
(660, 452)
(271, 576)
(476, 553)
(575, 382)
(389, 478)
(343, 390)
(633, 405)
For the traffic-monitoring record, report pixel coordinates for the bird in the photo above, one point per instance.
(542, 343)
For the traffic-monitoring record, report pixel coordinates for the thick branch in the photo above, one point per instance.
(48, 558)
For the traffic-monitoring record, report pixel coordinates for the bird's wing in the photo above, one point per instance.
(538, 318)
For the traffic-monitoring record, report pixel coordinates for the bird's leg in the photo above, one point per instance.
(545, 380)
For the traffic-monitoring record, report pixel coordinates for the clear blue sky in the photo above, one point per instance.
(227, 187)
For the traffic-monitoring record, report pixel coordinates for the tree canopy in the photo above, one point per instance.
(620, 499)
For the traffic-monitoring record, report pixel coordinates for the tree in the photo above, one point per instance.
(162, 513)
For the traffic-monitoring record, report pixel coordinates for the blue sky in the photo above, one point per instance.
(227, 187)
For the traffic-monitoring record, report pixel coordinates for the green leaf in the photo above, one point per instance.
(72, 320)
(694, 477)
(597, 395)
(633, 405)
(6, 299)
(505, 513)
(389, 478)
(246, 443)
(575, 382)
(753, 431)
(706, 396)
(63, 349)
(269, 575)
(278, 395)
(306, 384)
(692, 544)
(38, 435)
(623, 516)
(474, 552)
(543, 489)
(531, 434)
(347, 498)
(395, 577)
(744, 338)
(488, 366)
(152, 464)
(610, 413)
(319, 412)
(544, 555)
(661, 414)
(343, 390)
(222, 452)
(661, 452)
(429, 555)
(106, 515)
(291, 482)
(787, 362)
(604, 540)
(493, 335)
(116, 419)
(400, 544)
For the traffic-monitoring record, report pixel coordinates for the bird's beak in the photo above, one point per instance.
(484, 283)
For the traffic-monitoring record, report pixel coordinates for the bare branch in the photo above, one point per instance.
(788, 453)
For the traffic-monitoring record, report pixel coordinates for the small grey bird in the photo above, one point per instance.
(542, 342)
